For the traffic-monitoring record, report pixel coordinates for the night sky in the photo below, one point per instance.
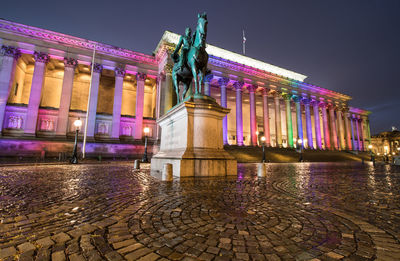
(349, 46)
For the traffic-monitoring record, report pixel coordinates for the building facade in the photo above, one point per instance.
(386, 143)
(46, 84)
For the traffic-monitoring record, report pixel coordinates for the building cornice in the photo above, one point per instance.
(172, 38)
(71, 41)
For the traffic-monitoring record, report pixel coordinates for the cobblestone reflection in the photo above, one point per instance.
(299, 211)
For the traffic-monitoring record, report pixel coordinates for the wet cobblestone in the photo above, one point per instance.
(307, 211)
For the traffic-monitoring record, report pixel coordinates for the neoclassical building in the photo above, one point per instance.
(44, 87)
(386, 143)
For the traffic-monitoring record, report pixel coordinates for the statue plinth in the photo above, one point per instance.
(191, 140)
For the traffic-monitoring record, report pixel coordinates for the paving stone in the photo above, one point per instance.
(113, 256)
(76, 257)
(26, 247)
(124, 243)
(58, 256)
(149, 257)
(45, 242)
(318, 211)
(129, 248)
(61, 237)
(6, 252)
(138, 253)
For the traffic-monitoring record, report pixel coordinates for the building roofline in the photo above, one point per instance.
(68, 40)
(173, 38)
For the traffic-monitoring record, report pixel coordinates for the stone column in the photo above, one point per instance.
(253, 118)
(289, 127)
(353, 144)
(66, 93)
(356, 122)
(239, 120)
(341, 128)
(140, 79)
(167, 91)
(333, 126)
(306, 103)
(317, 125)
(362, 134)
(278, 127)
(299, 120)
(223, 83)
(326, 126)
(368, 130)
(41, 59)
(266, 117)
(10, 56)
(116, 119)
(207, 82)
(94, 93)
(348, 130)
(160, 79)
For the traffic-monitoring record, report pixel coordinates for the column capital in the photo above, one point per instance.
(277, 94)
(314, 102)
(97, 67)
(208, 78)
(10, 51)
(160, 77)
(287, 96)
(168, 68)
(252, 88)
(322, 104)
(238, 86)
(70, 62)
(297, 98)
(120, 72)
(223, 81)
(265, 91)
(141, 76)
(41, 57)
(306, 101)
(331, 106)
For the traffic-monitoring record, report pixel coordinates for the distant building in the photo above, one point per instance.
(386, 143)
(44, 87)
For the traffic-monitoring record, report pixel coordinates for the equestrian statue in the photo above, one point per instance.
(193, 59)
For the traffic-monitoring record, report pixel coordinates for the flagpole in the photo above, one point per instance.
(244, 44)
(88, 104)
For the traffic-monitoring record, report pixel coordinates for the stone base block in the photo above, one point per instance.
(195, 167)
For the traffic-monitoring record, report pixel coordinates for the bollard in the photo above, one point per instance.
(261, 170)
(137, 164)
(167, 172)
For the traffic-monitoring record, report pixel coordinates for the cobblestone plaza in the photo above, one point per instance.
(109, 211)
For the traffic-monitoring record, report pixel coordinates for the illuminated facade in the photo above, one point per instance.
(386, 143)
(44, 87)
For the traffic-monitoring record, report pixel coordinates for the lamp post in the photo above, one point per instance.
(77, 124)
(146, 131)
(263, 148)
(300, 142)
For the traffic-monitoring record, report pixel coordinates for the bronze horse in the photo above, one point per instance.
(197, 59)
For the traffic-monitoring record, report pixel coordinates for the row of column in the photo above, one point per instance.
(10, 56)
(349, 134)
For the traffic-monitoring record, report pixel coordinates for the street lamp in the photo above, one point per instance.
(263, 148)
(146, 131)
(300, 142)
(77, 124)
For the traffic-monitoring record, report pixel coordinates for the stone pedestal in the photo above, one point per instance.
(191, 140)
